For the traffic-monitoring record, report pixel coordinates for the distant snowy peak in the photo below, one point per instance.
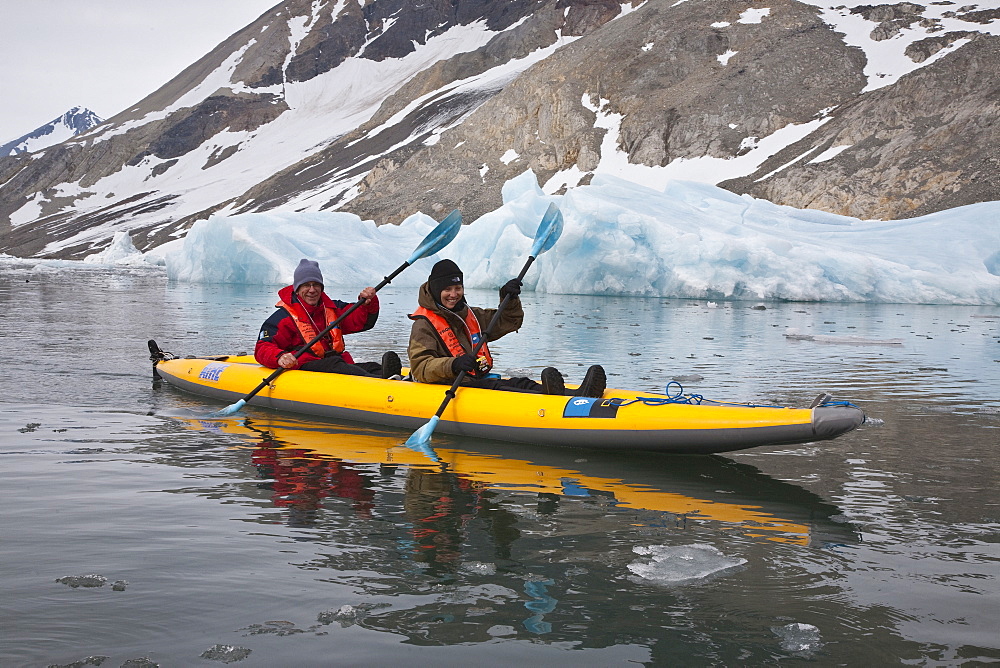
(75, 121)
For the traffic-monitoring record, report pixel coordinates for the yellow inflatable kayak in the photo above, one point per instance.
(621, 419)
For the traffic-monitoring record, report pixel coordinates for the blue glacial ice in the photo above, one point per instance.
(691, 240)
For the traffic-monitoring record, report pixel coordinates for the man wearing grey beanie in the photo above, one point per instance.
(304, 310)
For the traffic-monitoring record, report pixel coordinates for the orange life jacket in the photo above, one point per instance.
(448, 337)
(309, 332)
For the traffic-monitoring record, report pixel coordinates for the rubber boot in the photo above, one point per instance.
(391, 365)
(594, 383)
(552, 381)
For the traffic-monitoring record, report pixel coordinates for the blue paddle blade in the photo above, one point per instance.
(548, 230)
(422, 436)
(229, 410)
(440, 236)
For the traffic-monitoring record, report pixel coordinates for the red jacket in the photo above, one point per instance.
(279, 333)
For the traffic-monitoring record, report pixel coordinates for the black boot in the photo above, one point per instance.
(552, 381)
(594, 383)
(391, 365)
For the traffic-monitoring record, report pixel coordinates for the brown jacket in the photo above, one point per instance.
(430, 361)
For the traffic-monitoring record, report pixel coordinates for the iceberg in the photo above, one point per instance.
(690, 240)
(121, 251)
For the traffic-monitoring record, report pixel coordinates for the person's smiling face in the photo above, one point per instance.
(310, 292)
(452, 295)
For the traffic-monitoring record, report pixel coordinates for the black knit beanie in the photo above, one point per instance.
(443, 274)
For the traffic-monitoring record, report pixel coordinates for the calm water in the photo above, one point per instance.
(279, 541)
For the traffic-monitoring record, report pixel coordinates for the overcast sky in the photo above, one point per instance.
(102, 54)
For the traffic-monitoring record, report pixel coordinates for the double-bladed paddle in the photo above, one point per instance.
(439, 237)
(548, 232)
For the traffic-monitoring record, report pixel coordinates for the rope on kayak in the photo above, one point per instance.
(677, 398)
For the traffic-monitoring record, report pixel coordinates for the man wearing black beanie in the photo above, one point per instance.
(446, 329)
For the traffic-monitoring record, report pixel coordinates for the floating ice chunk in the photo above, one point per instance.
(793, 335)
(92, 580)
(800, 639)
(682, 563)
(121, 251)
(348, 615)
(226, 653)
(479, 568)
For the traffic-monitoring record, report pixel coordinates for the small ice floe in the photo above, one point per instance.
(92, 660)
(479, 568)
(799, 639)
(226, 653)
(91, 580)
(121, 251)
(793, 334)
(348, 615)
(682, 564)
(277, 627)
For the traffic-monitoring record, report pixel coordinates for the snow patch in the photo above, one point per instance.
(830, 153)
(724, 57)
(754, 15)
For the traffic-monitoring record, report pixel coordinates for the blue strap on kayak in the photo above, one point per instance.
(827, 404)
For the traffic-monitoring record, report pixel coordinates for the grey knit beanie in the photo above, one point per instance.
(308, 270)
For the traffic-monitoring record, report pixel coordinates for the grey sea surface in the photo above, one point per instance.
(137, 530)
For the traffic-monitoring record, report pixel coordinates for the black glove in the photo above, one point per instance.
(466, 363)
(511, 287)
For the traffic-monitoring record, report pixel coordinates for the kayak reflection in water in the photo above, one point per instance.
(304, 310)
(440, 506)
(446, 330)
(301, 480)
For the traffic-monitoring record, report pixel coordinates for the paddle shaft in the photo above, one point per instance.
(298, 353)
(450, 394)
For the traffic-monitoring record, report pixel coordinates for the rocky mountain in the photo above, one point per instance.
(74, 122)
(386, 107)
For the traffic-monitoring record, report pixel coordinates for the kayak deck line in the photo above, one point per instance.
(620, 420)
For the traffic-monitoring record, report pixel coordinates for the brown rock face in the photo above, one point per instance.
(912, 139)
(684, 80)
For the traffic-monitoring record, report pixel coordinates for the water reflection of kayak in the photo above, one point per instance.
(621, 419)
(693, 489)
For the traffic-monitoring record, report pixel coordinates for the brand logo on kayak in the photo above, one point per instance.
(584, 407)
(212, 372)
